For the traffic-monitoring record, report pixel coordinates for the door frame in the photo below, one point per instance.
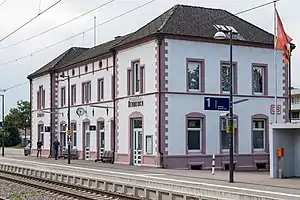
(99, 121)
(132, 117)
(84, 122)
(135, 137)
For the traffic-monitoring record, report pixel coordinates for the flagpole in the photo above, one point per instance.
(275, 65)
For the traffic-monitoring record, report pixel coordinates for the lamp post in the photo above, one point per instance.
(221, 36)
(62, 78)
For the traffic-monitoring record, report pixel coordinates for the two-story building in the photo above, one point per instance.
(142, 95)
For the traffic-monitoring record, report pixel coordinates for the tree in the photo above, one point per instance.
(18, 118)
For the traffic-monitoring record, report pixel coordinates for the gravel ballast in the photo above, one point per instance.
(14, 191)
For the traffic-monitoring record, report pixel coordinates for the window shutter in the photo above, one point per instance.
(38, 99)
(43, 97)
(128, 82)
(142, 71)
(102, 89)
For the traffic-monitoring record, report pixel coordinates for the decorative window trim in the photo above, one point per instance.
(197, 116)
(235, 77)
(73, 96)
(86, 99)
(266, 119)
(100, 91)
(235, 136)
(202, 74)
(265, 81)
(63, 96)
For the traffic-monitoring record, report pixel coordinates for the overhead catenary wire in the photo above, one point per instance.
(14, 86)
(1, 40)
(3, 2)
(73, 36)
(221, 18)
(60, 25)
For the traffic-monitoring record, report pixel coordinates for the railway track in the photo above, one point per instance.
(65, 190)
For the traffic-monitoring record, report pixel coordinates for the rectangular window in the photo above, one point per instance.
(136, 77)
(86, 92)
(41, 98)
(295, 115)
(142, 76)
(194, 74)
(258, 134)
(100, 89)
(74, 135)
(225, 78)
(258, 80)
(226, 136)
(194, 134)
(73, 94)
(62, 96)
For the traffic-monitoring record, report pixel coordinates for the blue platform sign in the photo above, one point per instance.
(216, 103)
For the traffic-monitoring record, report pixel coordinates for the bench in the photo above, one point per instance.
(74, 154)
(107, 157)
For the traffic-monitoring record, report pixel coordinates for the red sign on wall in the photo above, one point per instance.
(272, 109)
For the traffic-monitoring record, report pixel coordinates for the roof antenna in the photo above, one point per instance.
(95, 31)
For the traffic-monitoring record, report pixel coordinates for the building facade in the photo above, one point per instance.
(143, 94)
(295, 105)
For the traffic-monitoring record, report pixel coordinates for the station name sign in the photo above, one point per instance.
(135, 102)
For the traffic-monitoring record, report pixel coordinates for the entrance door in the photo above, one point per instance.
(137, 142)
(101, 139)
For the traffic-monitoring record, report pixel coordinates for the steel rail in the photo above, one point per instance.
(57, 187)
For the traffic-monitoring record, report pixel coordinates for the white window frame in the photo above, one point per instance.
(195, 129)
(100, 92)
(136, 77)
(259, 129)
(200, 69)
(63, 96)
(73, 94)
(263, 80)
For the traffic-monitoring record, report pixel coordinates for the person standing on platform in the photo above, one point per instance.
(39, 145)
(55, 147)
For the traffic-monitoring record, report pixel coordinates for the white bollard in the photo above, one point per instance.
(213, 165)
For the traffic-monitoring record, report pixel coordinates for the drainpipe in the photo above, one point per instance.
(161, 156)
(113, 51)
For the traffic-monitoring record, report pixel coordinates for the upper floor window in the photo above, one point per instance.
(41, 98)
(225, 78)
(63, 96)
(73, 94)
(86, 92)
(135, 79)
(86, 68)
(73, 72)
(194, 76)
(258, 134)
(194, 137)
(100, 89)
(259, 80)
(100, 64)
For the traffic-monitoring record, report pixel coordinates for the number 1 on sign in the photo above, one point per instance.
(208, 100)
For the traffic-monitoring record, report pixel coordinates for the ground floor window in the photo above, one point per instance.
(194, 134)
(74, 134)
(258, 134)
(225, 137)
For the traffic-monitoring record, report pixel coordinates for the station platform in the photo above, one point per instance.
(256, 183)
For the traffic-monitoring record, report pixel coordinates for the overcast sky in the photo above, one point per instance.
(14, 13)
